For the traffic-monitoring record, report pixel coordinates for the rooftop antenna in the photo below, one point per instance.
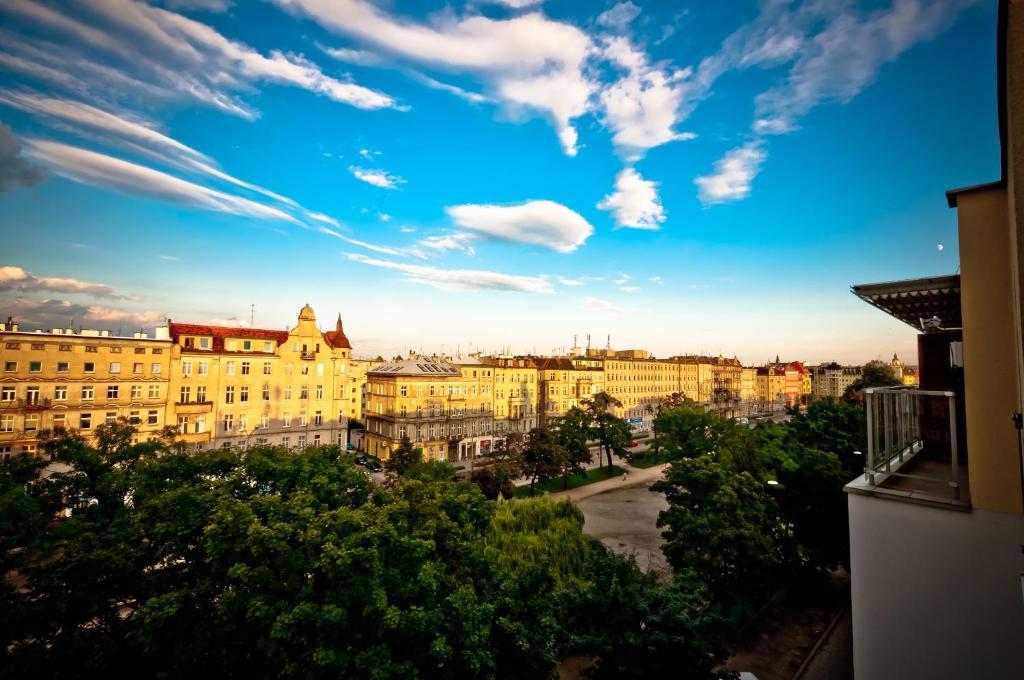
(252, 315)
(588, 340)
(609, 341)
(574, 342)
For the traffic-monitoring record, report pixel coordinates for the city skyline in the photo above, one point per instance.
(656, 174)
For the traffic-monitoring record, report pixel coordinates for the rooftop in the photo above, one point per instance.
(927, 305)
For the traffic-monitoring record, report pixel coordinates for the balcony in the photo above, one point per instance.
(307, 356)
(916, 449)
(35, 404)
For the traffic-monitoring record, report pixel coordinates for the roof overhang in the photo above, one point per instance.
(928, 305)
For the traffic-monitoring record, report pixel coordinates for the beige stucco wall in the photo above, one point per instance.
(990, 349)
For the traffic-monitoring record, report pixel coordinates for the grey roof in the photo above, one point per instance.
(418, 366)
(917, 300)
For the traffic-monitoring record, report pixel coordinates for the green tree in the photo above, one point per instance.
(837, 427)
(873, 374)
(404, 458)
(572, 433)
(721, 524)
(641, 628)
(685, 431)
(609, 430)
(542, 456)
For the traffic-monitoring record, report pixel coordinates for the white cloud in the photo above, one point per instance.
(732, 175)
(180, 55)
(542, 223)
(383, 250)
(619, 16)
(433, 83)
(845, 57)
(570, 282)
(90, 167)
(378, 178)
(461, 279)
(383, 217)
(644, 105)
(622, 278)
(17, 278)
(515, 4)
(54, 313)
(169, 258)
(630, 289)
(460, 241)
(132, 132)
(408, 230)
(321, 217)
(635, 202)
(368, 154)
(600, 305)
(361, 57)
(655, 279)
(530, 62)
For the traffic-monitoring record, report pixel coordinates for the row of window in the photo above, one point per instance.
(185, 396)
(87, 367)
(32, 422)
(33, 393)
(202, 367)
(188, 424)
(90, 349)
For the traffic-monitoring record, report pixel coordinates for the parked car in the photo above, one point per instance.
(373, 464)
(360, 459)
(633, 444)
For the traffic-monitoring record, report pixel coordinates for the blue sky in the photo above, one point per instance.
(686, 177)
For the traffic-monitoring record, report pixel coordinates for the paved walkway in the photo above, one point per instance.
(634, 477)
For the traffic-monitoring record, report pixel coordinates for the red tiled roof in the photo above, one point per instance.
(337, 338)
(220, 333)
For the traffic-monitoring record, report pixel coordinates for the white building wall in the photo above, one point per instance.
(936, 593)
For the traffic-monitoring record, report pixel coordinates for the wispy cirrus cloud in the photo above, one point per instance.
(378, 178)
(461, 279)
(90, 167)
(732, 176)
(19, 279)
(529, 62)
(635, 203)
(181, 55)
(835, 52)
(601, 305)
(459, 241)
(541, 223)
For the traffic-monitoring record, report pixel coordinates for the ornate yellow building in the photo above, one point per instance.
(66, 380)
(236, 386)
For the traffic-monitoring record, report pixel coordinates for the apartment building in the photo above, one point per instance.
(60, 379)
(564, 382)
(443, 408)
(830, 381)
(241, 386)
(937, 520)
(217, 386)
(516, 394)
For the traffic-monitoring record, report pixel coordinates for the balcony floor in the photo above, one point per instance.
(935, 491)
(939, 469)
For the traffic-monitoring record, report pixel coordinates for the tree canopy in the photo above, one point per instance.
(142, 558)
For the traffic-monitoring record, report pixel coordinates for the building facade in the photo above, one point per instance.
(66, 380)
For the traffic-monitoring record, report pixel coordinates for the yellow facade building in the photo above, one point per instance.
(66, 380)
(237, 386)
(564, 383)
(516, 394)
(444, 409)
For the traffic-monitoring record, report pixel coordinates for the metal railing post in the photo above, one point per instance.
(954, 454)
(887, 429)
(869, 469)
